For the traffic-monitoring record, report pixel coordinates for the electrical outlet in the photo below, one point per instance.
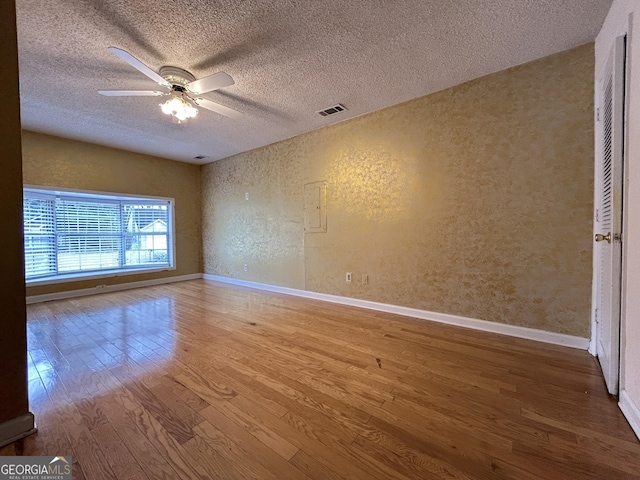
(365, 279)
(246, 267)
(246, 196)
(348, 277)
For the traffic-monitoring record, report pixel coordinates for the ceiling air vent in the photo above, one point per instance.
(332, 110)
(200, 157)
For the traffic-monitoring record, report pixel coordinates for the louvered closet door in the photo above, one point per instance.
(608, 224)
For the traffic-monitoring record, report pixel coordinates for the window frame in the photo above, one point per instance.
(107, 197)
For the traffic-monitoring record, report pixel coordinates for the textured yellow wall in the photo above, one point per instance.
(474, 201)
(57, 162)
(264, 232)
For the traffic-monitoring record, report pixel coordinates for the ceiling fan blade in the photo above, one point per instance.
(130, 93)
(216, 107)
(212, 82)
(138, 65)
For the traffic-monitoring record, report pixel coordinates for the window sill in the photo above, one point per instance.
(79, 277)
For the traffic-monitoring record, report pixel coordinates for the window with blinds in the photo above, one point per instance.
(67, 233)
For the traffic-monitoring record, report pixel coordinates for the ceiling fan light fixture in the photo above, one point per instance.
(179, 107)
(181, 84)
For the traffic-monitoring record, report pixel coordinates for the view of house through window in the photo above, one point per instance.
(67, 233)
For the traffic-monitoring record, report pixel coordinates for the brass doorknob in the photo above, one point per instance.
(600, 237)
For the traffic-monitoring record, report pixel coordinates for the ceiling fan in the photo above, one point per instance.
(183, 89)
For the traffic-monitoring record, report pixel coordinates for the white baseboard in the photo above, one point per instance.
(17, 429)
(631, 411)
(109, 288)
(482, 325)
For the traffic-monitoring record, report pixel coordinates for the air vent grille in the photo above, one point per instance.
(332, 110)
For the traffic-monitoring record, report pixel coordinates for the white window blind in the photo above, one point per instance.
(39, 236)
(67, 233)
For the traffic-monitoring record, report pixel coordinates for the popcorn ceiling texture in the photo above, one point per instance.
(57, 162)
(288, 58)
(473, 201)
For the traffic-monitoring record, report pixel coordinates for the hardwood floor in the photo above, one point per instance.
(198, 380)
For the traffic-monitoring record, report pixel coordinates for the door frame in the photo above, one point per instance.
(625, 199)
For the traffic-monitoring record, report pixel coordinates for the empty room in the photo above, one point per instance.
(320, 240)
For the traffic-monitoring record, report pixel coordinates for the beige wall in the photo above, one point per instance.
(474, 201)
(13, 338)
(58, 162)
(264, 232)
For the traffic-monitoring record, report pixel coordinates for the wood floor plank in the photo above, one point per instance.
(169, 448)
(172, 403)
(399, 434)
(199, 380)
(146, 455)
(300, 393)
(221, 378)
(313, 468)
(235, 429)
(211, 461)
(306, 439)
(118, 456)
(409, 463)
(86, 450)
(235, 455)
(169, 419)
(186, 396)
(262, 433)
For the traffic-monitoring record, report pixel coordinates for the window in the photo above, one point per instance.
(73, 234)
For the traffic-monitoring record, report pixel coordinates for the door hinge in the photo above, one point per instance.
(597, 214)
(596, 316)
(598, 114)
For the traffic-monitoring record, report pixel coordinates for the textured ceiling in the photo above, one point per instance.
(288, 58)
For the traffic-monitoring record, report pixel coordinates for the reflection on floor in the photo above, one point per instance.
(202, 380)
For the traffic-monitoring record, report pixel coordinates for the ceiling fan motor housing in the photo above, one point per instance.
(176, 76)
